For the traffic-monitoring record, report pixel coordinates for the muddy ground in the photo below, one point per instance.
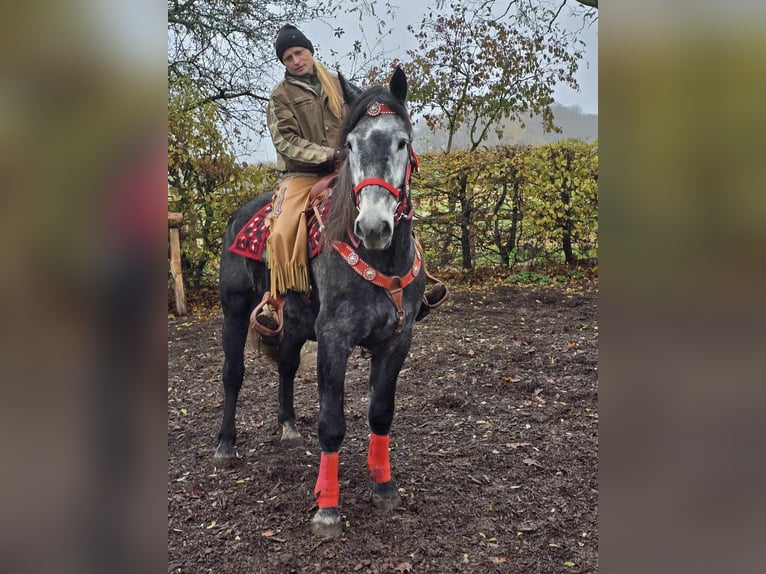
(494, 447)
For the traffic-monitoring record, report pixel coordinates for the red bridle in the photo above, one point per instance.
(375, 109)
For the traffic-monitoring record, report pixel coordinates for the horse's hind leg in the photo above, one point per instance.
(234, 335)
(289, 361)
(384, 371)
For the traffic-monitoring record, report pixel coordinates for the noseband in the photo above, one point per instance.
(376, 109)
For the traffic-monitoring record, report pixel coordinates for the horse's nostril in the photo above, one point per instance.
(378, 230)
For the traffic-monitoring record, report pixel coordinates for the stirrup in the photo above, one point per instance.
(426, 305)
(277, 306)
(436, 284)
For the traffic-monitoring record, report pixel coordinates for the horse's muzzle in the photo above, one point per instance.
(373, 232)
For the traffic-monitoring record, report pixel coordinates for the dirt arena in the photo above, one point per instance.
(494, 448)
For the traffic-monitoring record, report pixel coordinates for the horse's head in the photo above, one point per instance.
(377, 134)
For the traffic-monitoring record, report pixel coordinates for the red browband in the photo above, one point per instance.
(376, 108)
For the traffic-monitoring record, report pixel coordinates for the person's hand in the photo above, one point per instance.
(337, 159)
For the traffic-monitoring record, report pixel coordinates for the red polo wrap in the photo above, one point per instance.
(378, 466)
(327, 490)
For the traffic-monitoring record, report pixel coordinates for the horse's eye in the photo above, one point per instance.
(348, 145)
(402, 143)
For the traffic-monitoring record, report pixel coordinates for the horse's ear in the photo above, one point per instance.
(398, 85)
(350, 91)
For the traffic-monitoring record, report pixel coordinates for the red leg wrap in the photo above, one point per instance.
(378, 466)
(327, 489)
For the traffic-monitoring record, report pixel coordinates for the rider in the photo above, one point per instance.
(305, 113)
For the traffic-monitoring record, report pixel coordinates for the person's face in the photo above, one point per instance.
(298, 61)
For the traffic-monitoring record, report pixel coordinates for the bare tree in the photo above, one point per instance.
(225, 48)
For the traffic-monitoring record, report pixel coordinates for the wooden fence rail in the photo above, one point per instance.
(175, 220)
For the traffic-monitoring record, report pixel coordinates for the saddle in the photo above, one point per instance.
(252, 239)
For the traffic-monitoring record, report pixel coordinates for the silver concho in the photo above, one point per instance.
(373, 109)
(353, 258)
(369, 274)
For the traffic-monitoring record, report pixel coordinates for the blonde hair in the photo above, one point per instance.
(330, 87)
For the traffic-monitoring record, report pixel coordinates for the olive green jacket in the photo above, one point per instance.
(303, 129)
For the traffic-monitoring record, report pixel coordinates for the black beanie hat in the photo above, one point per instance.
(288, 37)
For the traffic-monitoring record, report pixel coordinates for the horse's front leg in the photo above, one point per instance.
(332, 356)
(384, 372)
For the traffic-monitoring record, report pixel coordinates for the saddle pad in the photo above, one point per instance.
(252, 239)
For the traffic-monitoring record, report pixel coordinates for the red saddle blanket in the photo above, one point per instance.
(252, 238)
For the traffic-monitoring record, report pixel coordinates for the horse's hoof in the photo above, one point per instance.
(225, 456)
(326, 523)
(386, 495)
(290, 432)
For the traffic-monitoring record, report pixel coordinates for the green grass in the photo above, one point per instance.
(527, 277)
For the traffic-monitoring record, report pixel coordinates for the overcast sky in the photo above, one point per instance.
(400, 40)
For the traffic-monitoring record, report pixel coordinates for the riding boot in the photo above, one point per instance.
(268, 319)
(433, 297)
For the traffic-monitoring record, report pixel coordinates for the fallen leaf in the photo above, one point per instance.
(404, 567)
(471, 352)
(532, 462)
(498, 560)
(268, 533)
(516, 444)
(571, 346)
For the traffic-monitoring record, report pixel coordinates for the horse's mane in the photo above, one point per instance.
(343, 213)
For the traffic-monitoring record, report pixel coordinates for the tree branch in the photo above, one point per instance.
(222, 96)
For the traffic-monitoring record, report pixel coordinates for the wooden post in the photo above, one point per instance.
(174, 223)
